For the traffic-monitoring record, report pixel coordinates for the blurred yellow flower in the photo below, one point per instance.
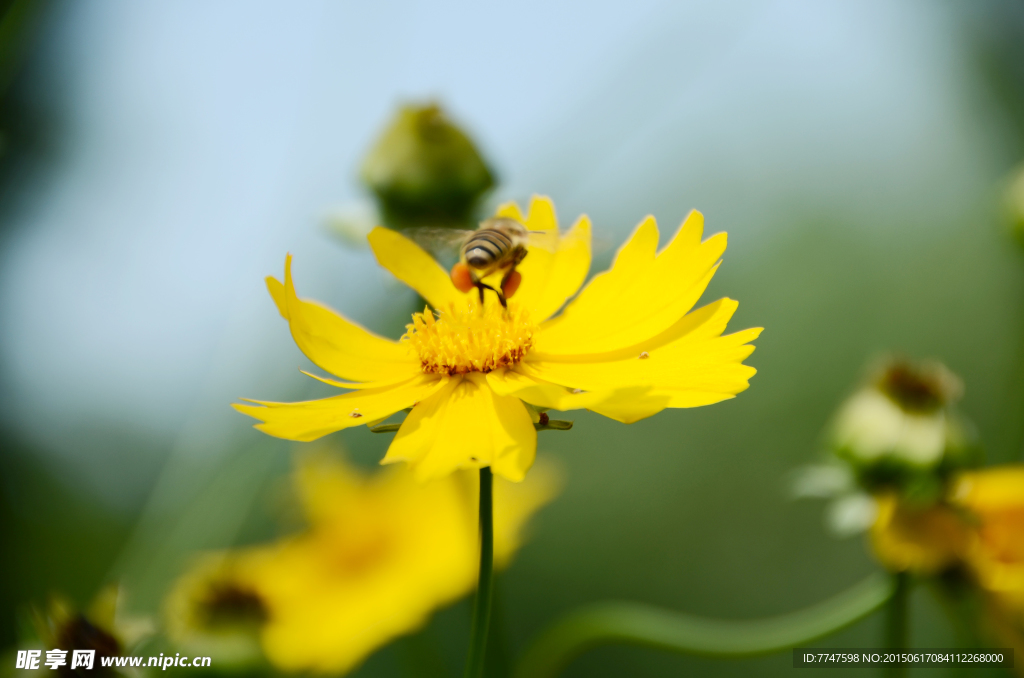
(380, 555)
(104, 627)
(981, 525)
(995, 499)
(627, 347)
(213, 611)
(920, 539)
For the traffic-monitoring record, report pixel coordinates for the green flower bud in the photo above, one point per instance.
(425, 171)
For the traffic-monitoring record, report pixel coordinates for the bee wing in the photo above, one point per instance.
(548, 241)
(438, 241)
(544, 240)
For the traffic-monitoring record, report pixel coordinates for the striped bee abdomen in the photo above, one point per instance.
(486, 247)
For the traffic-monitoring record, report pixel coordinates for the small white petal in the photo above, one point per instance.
(851, 514)
(822, 481)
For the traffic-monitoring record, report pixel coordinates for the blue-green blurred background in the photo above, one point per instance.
(160, 158)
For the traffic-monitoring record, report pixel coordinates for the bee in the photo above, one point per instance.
(497, 246)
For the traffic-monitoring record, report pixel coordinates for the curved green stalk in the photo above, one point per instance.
(485, 586)
(648, 626)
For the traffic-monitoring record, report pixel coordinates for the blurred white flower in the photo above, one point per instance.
(851, 514)
(822, 481)
(871, 425)
(850, 511)
(903, 415)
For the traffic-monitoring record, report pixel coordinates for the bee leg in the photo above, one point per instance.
(501, 297)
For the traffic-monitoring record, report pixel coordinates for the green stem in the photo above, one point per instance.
(498, 664)
(485, 584)
(896, 621)
(647, 626)
(956, 603)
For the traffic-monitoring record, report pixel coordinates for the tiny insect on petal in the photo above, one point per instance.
(512, 284)
(461, 277)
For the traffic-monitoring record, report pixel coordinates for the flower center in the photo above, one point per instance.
(229, 604)
(470, 339)
(919, 388)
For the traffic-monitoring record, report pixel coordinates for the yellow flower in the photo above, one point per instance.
(924, 539)
(380, 555)
(104, 628)
(213, 611)
(627, 347)
(995, 499)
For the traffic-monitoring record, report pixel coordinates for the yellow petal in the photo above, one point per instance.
(415, 267)
(369, 572)
(626, 404)
(466, 425)
(641, 296)
(551, 277)
(628, 410)
(328, 488)
(510, 210)
(556, 265)
(553, 396)
(355, 385)
(514, 503)
(706, 322)
(991, 489)
(537, 392)
(920, 539)
(312, 419)
(379, 555)
(689, 365)
(335, 344)
(542, 215)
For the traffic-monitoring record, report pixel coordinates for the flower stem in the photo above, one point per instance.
(647, 626)
(498, 664)
(896, 622)
(485, 584)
